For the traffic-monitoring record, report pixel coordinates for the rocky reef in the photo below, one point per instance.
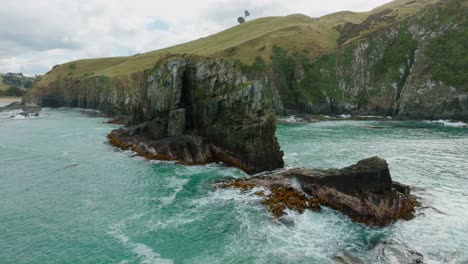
(365, 192)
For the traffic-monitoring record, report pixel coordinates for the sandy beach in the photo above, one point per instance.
(8, 100)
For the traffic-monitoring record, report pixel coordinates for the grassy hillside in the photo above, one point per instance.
(312, 36)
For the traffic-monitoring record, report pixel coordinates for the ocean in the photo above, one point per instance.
(67, 196)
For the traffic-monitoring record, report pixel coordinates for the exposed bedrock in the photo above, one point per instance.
(365, 191)
(196, 111)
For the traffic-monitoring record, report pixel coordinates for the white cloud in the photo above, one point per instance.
(35, 35)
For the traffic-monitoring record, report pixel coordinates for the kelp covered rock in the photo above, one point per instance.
(365, 192)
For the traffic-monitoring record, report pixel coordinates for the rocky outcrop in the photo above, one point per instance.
(189, 109)
(365, 191)
(204, 110)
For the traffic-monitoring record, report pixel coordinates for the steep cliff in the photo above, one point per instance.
(187, 108)
(416, 67)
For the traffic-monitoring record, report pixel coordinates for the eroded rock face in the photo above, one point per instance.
(198, 110)
(394, 71)
(365, 191)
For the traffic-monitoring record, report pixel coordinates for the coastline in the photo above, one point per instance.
(295, 119)
(6, 100)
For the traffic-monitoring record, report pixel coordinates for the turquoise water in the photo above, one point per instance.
(68, 197)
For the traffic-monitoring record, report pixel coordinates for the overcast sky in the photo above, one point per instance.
(37, 34)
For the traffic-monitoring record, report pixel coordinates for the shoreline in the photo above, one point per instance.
(6, 100)
(307, 119)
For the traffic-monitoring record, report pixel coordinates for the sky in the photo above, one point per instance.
(36, 35)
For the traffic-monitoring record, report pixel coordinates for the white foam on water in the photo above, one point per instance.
(15, 115)
(225, 195)
(449, 123)
(283, 242)
(9, 114)
(294, 119)
(175, 221)
(344, 116)
(145, 253)
(178, 185)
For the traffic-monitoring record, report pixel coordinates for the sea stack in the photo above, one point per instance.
(198, 110)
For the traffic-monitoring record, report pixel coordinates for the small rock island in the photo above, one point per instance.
(365, 192)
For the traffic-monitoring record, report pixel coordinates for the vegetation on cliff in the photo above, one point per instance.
(449, 54)
(382, 62)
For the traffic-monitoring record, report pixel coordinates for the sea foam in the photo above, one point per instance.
(145, 253)
(449, 123)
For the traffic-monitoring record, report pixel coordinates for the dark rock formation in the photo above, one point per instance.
(12, 106)
(28, 110)
(365, 191)
(203, 110)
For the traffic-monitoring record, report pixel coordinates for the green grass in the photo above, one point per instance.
(295, 33)
(80, 68)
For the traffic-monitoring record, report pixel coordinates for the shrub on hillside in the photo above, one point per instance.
(15, 91)
(449, 56)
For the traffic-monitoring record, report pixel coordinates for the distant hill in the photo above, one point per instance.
(15, 84)
(15, 79)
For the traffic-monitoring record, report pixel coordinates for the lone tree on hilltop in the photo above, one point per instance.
(242, 20)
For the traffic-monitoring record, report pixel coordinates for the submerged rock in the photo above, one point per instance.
(199, 110)
(365, 191)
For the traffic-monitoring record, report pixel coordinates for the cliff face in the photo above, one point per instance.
(201, 110)
(413, 68)
(189, 109)
(114, 96)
